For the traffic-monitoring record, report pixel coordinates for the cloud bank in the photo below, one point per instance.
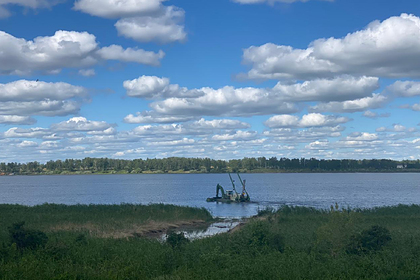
(390, 48)
(65, 49)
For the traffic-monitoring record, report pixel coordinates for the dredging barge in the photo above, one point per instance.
(231, 196)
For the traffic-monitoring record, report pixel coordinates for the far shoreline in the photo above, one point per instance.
(257, 171)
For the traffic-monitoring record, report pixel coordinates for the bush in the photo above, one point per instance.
(4, 252)
(26, 238)
(57, 250)
(333, 236)
(262, 235)
(176, 240)
(259, 234)
(81, 239)
(266, 211)
(372, 239)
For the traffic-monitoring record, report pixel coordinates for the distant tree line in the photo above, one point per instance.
(206, 165)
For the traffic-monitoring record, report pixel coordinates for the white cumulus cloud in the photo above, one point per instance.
(115, 52)
(8, 119)
(164, 28)
(27, 4)
(45, 107)
(358, 105)
(152, 117)
(26, 90)
(390, 48)
(404, 88)
(118, 8)
(65, 49)
(26, 143)
(141, 20)
(16, 132)
(219, 124)
(238, 135)
(226, 101)
(336, 89)
(81, 124)
(155, 87)
(362, 136)
(28, 98)
(180, 103)
(309, 120)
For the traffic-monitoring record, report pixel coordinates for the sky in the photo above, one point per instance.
(222, 79)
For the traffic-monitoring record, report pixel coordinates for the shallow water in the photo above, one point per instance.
(273, 190)
(212, 229)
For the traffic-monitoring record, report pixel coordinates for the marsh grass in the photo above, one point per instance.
(98, 220)
(291, 243)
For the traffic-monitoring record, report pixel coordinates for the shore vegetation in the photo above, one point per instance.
(205, 165)
(288, 243)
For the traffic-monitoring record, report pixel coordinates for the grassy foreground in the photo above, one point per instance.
(115, 221)
(292, 243)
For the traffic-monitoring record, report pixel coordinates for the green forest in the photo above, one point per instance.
(206, 165)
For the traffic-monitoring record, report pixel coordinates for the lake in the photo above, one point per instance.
(304, 189)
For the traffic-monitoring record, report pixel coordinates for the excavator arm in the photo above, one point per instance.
(219, 187)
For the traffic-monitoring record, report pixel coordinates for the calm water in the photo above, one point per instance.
(317, 190)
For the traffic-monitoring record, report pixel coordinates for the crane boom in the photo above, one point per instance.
(242, 183)
(233, 182)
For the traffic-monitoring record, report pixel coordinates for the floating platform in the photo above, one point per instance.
(218, 199)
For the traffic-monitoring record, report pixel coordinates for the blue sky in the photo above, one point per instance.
(221, 79)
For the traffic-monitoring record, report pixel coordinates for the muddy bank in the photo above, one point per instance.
(149, 229)
(192, 229)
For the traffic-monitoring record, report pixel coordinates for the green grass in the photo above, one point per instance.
(291, 243)
(97, 218)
